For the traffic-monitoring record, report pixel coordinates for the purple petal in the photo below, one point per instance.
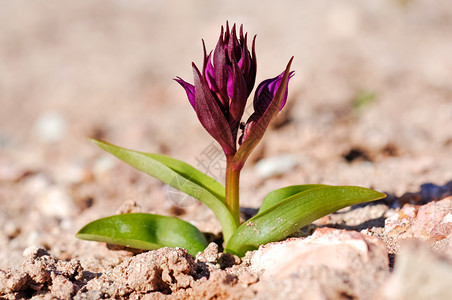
(231, 82)
(233, 45)
(265, 111)
(221, 73)
(189, 89)
(211, 116)
(226, 33)
(265, 92)
(238, 99)
(209, 74)
(284, 100)
(251, 78)
(206, 58)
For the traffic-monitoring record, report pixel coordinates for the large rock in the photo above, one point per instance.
(329, 264)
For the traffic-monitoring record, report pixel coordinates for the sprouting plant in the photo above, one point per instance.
(219, 97)
(362, 99)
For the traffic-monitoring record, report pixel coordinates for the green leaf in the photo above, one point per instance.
(181, 176)
(145, 231)
(185, 170)
(281, 194)
(289, 215)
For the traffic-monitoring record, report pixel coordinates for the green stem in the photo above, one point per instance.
(232, 188)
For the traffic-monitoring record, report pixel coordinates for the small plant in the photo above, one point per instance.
(219, 97)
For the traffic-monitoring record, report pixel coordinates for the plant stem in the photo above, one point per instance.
(232, 188)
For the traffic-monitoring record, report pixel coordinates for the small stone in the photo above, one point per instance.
(128, 206)
(73, 174)
(103, 165)
(400, 222)
(429, 217)
(431, 222)
(210, 254)
(50, 127)
(34, 237)
(275, 165)
(34, 251)
(37, 184)
(55, 202)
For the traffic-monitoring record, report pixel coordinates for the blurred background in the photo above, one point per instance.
(370, 104)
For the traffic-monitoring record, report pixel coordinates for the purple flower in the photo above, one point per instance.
(269, 99)
(220, 92)
(264, 95)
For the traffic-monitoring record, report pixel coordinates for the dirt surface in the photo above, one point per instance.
(370, 105)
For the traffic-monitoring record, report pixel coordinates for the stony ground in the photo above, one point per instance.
(370, 105)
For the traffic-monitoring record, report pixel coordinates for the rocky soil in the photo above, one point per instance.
(370, 105)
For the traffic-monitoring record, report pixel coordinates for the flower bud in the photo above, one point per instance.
(221, 90)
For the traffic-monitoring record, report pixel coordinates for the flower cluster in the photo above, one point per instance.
(220, 92)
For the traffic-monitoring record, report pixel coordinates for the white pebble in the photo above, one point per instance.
(104, 164)
(50, 127)
(30, 250)
(56, 203)
(275, 165)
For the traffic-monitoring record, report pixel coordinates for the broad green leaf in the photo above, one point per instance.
(181, 176)
(183, 169)
(281, 194)
(289, 215)
(145, 231)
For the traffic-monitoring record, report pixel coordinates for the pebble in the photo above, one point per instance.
(55, 202)
(431, 222)
(34, 237)
(129, 206)
(103, 165)
(400, 222)
(33, 251)
(37, 184)
(276, 165)
(73, 174)
(210, 254)
(50, 127)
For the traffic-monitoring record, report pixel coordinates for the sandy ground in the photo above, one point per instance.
(370, 105)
